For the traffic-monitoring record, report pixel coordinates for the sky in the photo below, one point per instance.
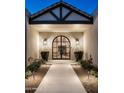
(34, 6)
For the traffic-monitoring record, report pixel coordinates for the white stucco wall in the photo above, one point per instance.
(51, 35)
(32, 43)
(32, 40)
(91, 43)
(87, 35)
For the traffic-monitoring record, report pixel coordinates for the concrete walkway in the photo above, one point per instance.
(61, 78)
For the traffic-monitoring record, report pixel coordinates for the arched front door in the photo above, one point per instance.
(61, 48)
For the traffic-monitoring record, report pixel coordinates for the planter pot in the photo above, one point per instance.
(78, 55)
(45, 55)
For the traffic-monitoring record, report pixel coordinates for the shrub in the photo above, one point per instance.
(83, 64)
(94, 73)
(86, 65)
(34, 66)
(27, 74)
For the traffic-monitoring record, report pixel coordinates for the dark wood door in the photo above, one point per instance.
(61, 48)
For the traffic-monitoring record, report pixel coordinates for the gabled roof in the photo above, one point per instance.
(85, 5)
(61, 13)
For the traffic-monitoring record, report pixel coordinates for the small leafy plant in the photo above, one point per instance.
(32, 68)
(78, 55)
(27, 74)
(89, 67)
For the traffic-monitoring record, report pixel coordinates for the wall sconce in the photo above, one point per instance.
(45, 42)
(77, 46)
(77, 41)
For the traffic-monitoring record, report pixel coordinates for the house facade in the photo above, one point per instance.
(62, 29)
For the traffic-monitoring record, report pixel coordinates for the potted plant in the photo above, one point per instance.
(45, 55)
(78, 55)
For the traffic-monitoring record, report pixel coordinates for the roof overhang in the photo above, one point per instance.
(54, 15)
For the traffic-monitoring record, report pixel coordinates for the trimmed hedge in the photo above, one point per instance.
(92, 69)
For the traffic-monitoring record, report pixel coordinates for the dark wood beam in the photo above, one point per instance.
(54, 15)
(67, 15)
(61, 22)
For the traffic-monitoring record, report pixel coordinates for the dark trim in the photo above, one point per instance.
(67, 15)
(53, 6)
(61, 36)
(61, 22)
(54, 15)
(44, 11)
(82, 13)
(60, 13)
